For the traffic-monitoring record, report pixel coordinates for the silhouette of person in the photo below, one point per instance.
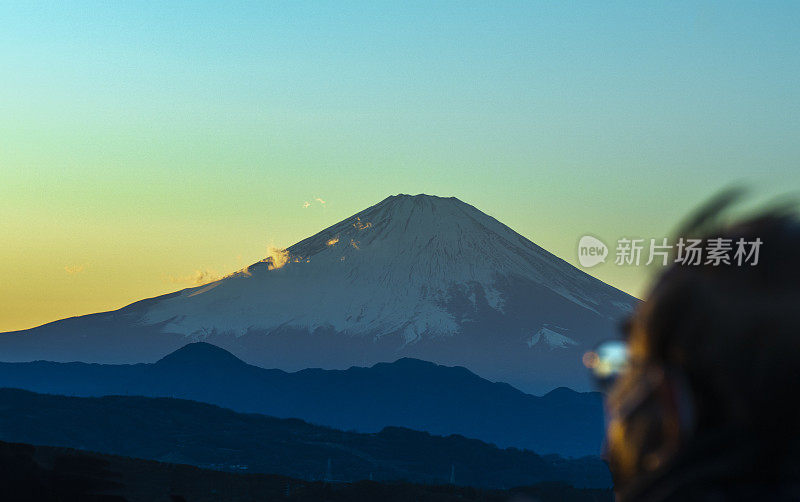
(706, 405)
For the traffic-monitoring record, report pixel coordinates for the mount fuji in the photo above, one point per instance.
(413, 276)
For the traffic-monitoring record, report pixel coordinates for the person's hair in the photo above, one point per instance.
(733, 331)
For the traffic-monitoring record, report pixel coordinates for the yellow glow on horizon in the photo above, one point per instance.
(136, 147)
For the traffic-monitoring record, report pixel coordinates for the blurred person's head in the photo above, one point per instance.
(714, 362)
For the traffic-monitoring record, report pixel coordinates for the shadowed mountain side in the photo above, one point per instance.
(208, 436)
(407, 393)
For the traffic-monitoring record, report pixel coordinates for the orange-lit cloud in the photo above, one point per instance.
(315, 200)
(276, 257)
(197, 278)
(354, 243)
(74, 269)
(333, 241)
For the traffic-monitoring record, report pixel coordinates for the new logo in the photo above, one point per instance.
(591, 251)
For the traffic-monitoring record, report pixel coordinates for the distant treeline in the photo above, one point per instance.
(408, 393)
(188, 432)
(50, 474)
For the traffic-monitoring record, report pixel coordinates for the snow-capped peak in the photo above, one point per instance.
(388, 269)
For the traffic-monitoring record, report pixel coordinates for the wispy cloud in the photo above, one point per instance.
(276, 257)
(197, 278)
(74, 269)
(313, 202)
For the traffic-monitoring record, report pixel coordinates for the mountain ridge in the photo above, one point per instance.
(420, 276)
(167, 429)
(408, 393)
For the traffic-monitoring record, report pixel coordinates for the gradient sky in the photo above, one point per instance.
(142, 143)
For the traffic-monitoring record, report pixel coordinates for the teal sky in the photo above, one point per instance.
(141, 142)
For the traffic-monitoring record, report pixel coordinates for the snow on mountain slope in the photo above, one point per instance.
(547, 337)
(420, 276)
(389, 268)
